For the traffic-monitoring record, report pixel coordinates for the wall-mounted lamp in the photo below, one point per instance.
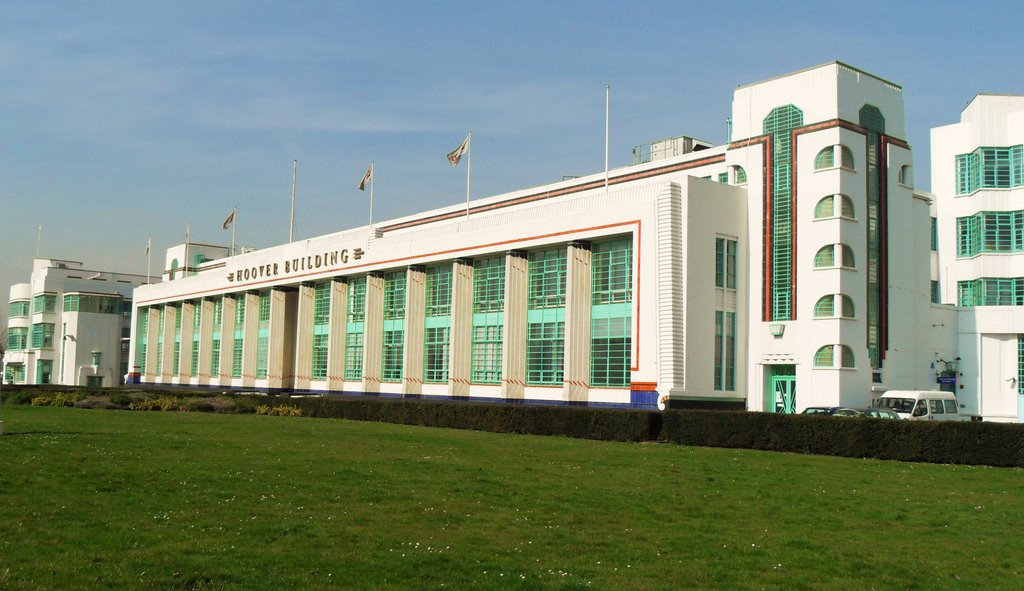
(776, 330)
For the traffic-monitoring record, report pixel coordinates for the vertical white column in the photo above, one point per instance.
(304, 337)
(461, 331)
(227, 338)
(167, 352)
(336, 336)
(671, 316)
(185, 369)
(578, 291)
(152, 351)
(415, 318)
(250, 339)
(205, 341)
(373, 335)
(279, 348)
(513, 359)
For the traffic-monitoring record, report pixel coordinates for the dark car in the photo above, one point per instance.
(875, 413)
(820, 410)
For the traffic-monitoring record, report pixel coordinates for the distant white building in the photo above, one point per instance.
(69, 325)
(978, 181)
(787, 268)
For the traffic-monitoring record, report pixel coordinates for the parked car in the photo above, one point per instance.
(874, 413)
(922, 405)
(819, 410)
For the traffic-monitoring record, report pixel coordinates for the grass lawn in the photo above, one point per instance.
(95, 499)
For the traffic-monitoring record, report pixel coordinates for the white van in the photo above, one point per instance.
(922, 405)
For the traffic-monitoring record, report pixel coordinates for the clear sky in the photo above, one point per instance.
(125, 120)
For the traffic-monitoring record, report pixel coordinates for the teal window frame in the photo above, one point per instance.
(990, 232)
(19, 308)
(725, 263)
(488, 320)
(725, 351)
(611, 313)
(990, 167)
(263, 335)
(44, 303)
(17, 338)
(779, 124)
(437, 323)
(321, 327)
(545, 330)
(991, 291)
(42, 335)
(355, 325)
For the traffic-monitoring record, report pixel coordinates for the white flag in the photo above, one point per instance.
(149, 243)
(366, 178)
(455, 155)
(229, 220)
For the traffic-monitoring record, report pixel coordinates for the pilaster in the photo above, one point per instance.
(578, 292)
(415, 317)
(513, 361)
(461, 341)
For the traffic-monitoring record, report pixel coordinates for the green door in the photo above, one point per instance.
(784, 388)
(780, 395)
(94, 381)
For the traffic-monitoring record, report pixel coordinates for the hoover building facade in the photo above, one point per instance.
(784, 269)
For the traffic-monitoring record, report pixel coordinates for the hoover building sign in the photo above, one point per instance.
(295, 265)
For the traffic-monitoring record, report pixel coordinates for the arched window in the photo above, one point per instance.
(846, 206)
(906, 178)
(826, 158)
(826, 256)
(825, 308)
(847, 306)
(825, 208)
(847, 256)
(845, 356)
(824, 357)
(739, 175)
(846, 159)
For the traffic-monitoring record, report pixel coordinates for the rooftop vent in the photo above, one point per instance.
(668, 148)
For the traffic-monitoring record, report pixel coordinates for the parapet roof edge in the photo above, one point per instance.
(826, 64)
(981, 94)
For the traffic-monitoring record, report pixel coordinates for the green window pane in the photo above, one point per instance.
(826, 158)
(394, 295)
(44, 303)
(780, 123)
(435, 354)
(354, 356)
(486, 357)
(545, 353)
(825, 207)
(825, 307)
(439, 290)
(17, 338)
(357, 300)
(741, 175)
(824, 357)
(18, 309)
(547, 279)
(391, 362)
(489, 285)
(846, 356)
(825, 257)
(319, 368)
(846, 157)
(612, 272)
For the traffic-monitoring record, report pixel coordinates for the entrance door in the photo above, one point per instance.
(784, 388)
(94, 381)
(781, 389)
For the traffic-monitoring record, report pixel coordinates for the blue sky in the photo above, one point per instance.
(124, 120)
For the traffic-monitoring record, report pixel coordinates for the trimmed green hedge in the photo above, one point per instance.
(978, 443)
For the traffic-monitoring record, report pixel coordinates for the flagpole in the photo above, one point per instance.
(291, 230)
(39, 238)
(186, 250)
(607, 117)
(469, 166)
(234, 222)
(373, 179)
(149, 260)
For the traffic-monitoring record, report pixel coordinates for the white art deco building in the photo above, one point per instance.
(786, 268)
(69, 325)
(978, 181)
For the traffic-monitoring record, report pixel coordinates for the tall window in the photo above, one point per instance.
(437, 327)
(488, 319)
(236, 353)
(42, 335)
(780, 123)
(354, 326)
(197, 324)
(142, 337)
(725, 350)
(611, 313)
(44, 303)
(321, 320)
(263, 335)
(545, 331)
(17, 338)
(176, 356)
(218, 324)
(725, 263)
(394, 327)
